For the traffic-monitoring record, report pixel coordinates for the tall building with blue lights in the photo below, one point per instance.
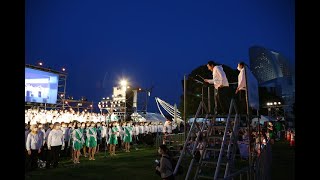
(274, 71)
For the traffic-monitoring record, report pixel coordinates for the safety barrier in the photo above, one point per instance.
(170, 139)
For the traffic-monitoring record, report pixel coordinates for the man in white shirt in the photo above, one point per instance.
(241, 89)
(219, 80)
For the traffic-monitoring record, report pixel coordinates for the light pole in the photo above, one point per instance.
(273, 109)
(123, 84)
(106, 104)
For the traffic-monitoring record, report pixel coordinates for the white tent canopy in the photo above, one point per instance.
(191, 120)
(147, 117)
(262, 120)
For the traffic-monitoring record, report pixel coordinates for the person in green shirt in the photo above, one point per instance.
(91, 141)
(270, 131)
(113, 140)
(277, 128)
(77, 142)
(127, 136)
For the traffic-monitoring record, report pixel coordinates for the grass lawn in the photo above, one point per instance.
(139, 164)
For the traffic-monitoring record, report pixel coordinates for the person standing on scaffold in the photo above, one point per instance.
(221, 85)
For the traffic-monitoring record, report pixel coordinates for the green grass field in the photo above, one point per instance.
(139, 164)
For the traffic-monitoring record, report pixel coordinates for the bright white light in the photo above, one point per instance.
(279, 103)
(35, 81)
(275, 103)
(123, 82)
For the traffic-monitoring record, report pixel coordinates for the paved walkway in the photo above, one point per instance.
(283, 161)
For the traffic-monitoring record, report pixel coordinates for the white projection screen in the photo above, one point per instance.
(41, 86)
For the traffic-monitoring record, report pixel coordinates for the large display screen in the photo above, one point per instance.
(41, 86)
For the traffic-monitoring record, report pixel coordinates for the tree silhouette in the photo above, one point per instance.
(194, 90)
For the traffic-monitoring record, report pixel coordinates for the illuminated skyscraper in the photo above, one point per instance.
(273, 70)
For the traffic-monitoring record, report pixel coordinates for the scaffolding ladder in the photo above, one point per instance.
(217, 158)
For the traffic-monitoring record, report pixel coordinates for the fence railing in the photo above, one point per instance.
(261, 166)
(170, 139)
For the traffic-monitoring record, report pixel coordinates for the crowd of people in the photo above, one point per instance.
(51, 134)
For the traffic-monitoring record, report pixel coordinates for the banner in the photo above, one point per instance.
(252, 89)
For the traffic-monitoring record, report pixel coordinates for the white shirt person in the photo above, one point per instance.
(219, 79)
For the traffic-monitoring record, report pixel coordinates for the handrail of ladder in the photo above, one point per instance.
(195, 147)
(188, 136)
(233, 140)
(223, 140)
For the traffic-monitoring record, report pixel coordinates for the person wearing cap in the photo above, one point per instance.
(55, 143)
(219, 80)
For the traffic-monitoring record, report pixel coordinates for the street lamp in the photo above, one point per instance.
(123, 83)
(273, 105)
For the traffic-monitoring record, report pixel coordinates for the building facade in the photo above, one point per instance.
(274, 71)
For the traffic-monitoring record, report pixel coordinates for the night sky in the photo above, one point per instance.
(150, 43)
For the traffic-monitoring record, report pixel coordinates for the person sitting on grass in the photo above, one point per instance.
(165, 168)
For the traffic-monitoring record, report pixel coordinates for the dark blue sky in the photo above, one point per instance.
(150, 42)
